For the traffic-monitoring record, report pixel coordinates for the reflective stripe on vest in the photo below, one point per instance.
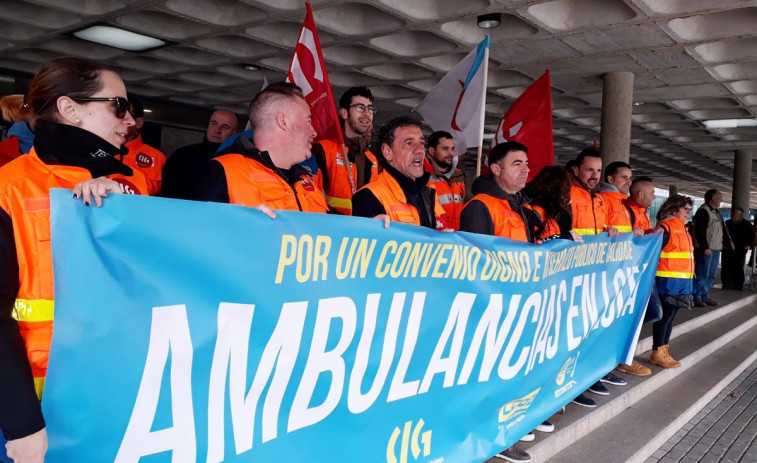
(450, 198)
(665, 274)
(586, 231)
(622, 228)
(33, 310)
(677, 255)
(340, 203)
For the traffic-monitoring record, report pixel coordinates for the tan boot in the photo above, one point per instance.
(635, 368)
(660, 357)
(667, 354)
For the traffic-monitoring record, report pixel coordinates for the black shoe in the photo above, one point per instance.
(698, 303)
(610, 378)
(599, 389)
(584, 401)
(711, 302)
(514, 455)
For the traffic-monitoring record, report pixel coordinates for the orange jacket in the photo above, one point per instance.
(250, 183)
(507, 222)
(338, 191)
(640, 216)
(617, 213)
(589, 217)
(551, 228)
(389, 193)
(676, 268)
(9, 150)
(25, 196)
(146, 159)
(450, 192)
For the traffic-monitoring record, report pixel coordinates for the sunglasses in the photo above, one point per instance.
(122, 104)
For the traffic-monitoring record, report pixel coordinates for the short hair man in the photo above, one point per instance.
(265, 172)
(141, 156)
(499, 206)
(589, 214)
(710, 238)
(590, 218)
(186, 168)
(742, 234)
(401, 190)
(448, 180)
(640, 200)
(343, 177)
(614, 189)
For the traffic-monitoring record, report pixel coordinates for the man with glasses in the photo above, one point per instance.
(345, 173)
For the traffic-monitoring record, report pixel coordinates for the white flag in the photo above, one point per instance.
(456, 103)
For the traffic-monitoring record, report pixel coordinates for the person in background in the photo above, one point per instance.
(549, 191)
(742, 234)
(141, 156)
(674, 274)
(186, 169)
(447, 180)
(82, 119)
(21, 134)
(710, 238)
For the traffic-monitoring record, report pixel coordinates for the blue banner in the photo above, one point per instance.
(205, 332)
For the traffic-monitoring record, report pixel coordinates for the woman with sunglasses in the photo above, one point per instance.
(674, 274)
(82, 122)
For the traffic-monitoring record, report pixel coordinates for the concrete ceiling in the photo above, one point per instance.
(692, 59)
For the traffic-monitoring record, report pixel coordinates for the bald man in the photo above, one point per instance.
(186, 168)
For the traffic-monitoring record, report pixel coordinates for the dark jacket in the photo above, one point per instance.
(186, 169)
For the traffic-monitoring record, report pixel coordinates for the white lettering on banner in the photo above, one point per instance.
(514, 332)
(169, 333)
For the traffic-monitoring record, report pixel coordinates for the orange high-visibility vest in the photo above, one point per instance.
(250, 183)
(589, 216)
(148, 160)
(617, 213)
(338, 191)
(551, 228)
(676, 268)
(507, 222)
(640, 216)
(451, 195)
(389, 193)
(25, 185)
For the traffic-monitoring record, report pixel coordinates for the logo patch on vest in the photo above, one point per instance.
(307, 184)
(144, 160)
(127, 187)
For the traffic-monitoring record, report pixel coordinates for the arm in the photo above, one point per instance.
(475, 218)
(20, 412)
(214, 188)
(365, 204)
(701, 220)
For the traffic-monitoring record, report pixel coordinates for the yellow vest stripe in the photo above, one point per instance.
(666, 274)
(676, 255)
(586, 231)
(39, 386)
(623, 228)
(33, 310)
(340, 202)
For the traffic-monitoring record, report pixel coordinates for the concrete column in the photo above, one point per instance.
(742, 178)
(617, 105)
(673, 190)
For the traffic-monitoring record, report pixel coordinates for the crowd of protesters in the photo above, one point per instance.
(77, 128)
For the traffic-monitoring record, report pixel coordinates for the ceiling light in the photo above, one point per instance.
(638, 103)
(119, 38)
(251, 67)
(488, 21)
(148, 110)
(730, 123)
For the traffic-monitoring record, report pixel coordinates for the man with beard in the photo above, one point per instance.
(343, 177)
(142, 156)
(449, 182)
(401, 190)
(613, 191)
(590, 218)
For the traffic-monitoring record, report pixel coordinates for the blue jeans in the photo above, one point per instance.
(705, 268)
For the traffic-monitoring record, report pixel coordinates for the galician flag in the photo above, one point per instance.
(456, 103)
(529, 121)
(308, 71)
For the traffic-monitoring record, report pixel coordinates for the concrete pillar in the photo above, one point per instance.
(742, 178)
(617, 105)
(673, 190)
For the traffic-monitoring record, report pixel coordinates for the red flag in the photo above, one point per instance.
(308, 71)
(529, 121)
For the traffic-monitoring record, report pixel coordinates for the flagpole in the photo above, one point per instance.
(478, 161)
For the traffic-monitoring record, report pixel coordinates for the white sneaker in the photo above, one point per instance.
(546, 426)
(528, 437)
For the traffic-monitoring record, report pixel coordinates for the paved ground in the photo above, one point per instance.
(724, 431)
